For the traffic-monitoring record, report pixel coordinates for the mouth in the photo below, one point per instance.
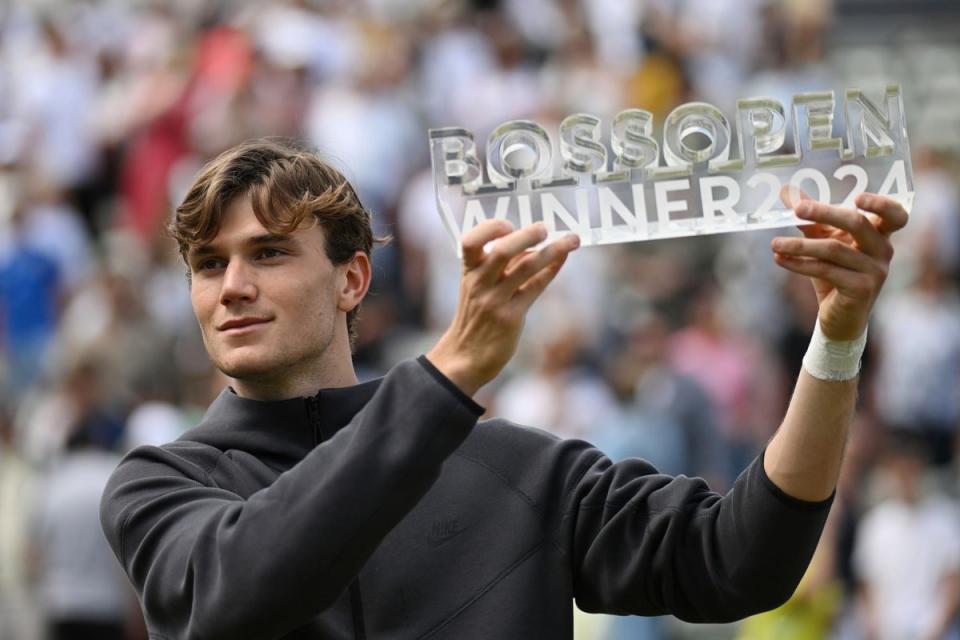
(239, 326)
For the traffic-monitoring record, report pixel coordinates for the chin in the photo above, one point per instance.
(247, 364)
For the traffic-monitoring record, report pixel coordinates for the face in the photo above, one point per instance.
(271, 306)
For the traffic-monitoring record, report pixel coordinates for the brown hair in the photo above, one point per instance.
(286, 183)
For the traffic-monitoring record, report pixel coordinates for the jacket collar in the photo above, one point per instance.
(283, 430)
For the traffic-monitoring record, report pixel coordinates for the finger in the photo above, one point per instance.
(475, 239)
(893, 216)
(828, 250)
(868, 238)
(534, 286)
(792, 196)
(532, 263)
(843, 279)
(816, 230)
(501, 251)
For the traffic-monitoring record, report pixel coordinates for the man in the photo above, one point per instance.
(306, 505)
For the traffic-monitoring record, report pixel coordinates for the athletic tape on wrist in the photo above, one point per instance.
(834, 360)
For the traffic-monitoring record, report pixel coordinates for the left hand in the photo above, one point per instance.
(847, 256)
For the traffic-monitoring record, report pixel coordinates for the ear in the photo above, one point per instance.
(355, 275)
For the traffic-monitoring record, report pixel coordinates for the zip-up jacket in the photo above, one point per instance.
(385, 510)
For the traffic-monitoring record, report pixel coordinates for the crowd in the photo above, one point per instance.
(679, 351)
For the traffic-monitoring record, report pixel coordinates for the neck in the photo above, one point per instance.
(288, 388)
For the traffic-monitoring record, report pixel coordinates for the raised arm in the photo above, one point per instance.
(847, 255)
(650, 544)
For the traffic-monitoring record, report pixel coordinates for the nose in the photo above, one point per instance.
(238, 284)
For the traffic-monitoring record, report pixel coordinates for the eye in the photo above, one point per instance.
(267, 253)
(208, 264)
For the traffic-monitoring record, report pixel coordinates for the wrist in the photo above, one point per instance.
(454, 369)
(834, 360)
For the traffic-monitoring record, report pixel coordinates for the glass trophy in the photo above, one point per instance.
(704, 175)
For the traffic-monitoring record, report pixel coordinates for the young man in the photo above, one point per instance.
(306, 505)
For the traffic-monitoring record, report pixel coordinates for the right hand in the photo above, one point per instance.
(497, 288)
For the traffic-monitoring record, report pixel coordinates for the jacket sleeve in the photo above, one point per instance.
(649, 544)
(210, 565)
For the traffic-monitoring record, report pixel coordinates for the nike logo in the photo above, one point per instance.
(443, 531)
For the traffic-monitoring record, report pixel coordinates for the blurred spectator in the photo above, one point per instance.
(615, 28)
(30, 286)
(17, 613)
(46, 420)
(731, 369)
(662, 416)
(83, 592)
(917, 382)
(55, 228)
(558, 394)
(153, 423)
(717, 39)
(849, 504)
(907, 554)
(801, 306)
(454, 55)
(54, 85)
(934, 221)
(373, 107)
(428, 250)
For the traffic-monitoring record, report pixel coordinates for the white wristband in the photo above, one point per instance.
(833, 360)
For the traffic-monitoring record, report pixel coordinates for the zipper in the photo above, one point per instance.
(356, 602)
(313, 413)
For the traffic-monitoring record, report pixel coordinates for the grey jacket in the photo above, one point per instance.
(385, 510)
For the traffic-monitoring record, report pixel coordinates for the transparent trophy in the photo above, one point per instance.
(618, 190)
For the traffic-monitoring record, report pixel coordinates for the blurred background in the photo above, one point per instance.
(682, 351)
